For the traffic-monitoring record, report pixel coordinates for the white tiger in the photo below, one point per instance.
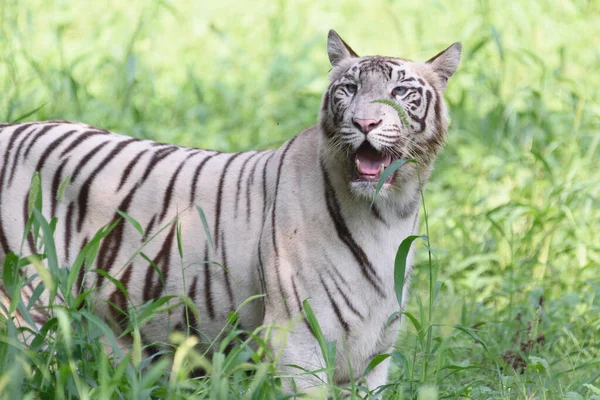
(293, 223)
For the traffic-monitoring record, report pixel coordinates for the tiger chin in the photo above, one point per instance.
(292, 224)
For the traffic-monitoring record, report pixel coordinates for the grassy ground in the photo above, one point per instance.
(513, 205)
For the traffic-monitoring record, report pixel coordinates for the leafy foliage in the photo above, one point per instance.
(506, 306)
(398, 108)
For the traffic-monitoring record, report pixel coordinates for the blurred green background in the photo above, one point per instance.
(513, 203)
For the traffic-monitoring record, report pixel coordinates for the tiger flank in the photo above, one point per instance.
(293, 223)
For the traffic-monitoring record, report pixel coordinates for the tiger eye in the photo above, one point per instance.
(399, 91)
(351, 88)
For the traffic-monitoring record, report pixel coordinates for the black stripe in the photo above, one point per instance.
(149, 227)
(11, 142)
(111, 245)
(20, 147)
(195, 179)
(346, 299)
(30, 240)
(421, 121)
(169, 192)
(298, 301)
(239, 181)
(56, 181)
(50, 149)
(335, 306)
(35, 139)
(7, 125)
(263, 282)
(157, 157)
(86, 158)
(163, 257)
(188, 316)
(325, 105)
(152, 349)
(300, 307)
(225, 268)
(129, 168)
(60, 121)
(394, 320)
(81, 274)
(119, 300)
(387, 143)
(6, 295)
(274, 208)
(82, 137)
(109, 249)
(60, 297)
(261, 277)
(249, 183)
(438, 114)
(346, 237)
(395, 132)
(208, 285)
(39, 319)
(3, 239)
(84, 192)
(68, 235)
(332, 267)
(13, 137)
(264, 187)
(220, 198)
(273, 220)
(377, 214)
(440, 132)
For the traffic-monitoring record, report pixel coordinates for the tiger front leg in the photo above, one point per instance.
(301, 363)
(377, 377)
(303, 367)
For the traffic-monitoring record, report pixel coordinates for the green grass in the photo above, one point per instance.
(509, 307)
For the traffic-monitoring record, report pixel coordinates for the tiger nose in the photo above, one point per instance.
(366, 125)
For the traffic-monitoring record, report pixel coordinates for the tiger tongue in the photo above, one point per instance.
(368, 162)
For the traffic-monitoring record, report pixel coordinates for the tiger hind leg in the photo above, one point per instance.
(25, 328)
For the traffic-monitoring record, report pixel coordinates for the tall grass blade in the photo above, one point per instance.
(402, 114)
(28, 113)
(328, 349)
(400, 266)
(132, 221)
(205, 224)
(393, 167)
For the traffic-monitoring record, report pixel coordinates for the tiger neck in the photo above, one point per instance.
(376, 230)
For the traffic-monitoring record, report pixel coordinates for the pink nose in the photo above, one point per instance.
(366, 125)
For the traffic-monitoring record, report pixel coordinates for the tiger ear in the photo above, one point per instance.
(446, 62)
(337, 49)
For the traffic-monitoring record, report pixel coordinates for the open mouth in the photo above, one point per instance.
(369, 164)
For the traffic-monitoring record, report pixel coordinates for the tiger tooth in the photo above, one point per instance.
(381, 168)
(358, 165)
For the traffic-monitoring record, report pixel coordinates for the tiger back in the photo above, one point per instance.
(159, 186)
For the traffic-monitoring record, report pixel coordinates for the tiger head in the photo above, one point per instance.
(366, 136)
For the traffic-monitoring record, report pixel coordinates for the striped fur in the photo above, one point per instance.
(293, 223)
